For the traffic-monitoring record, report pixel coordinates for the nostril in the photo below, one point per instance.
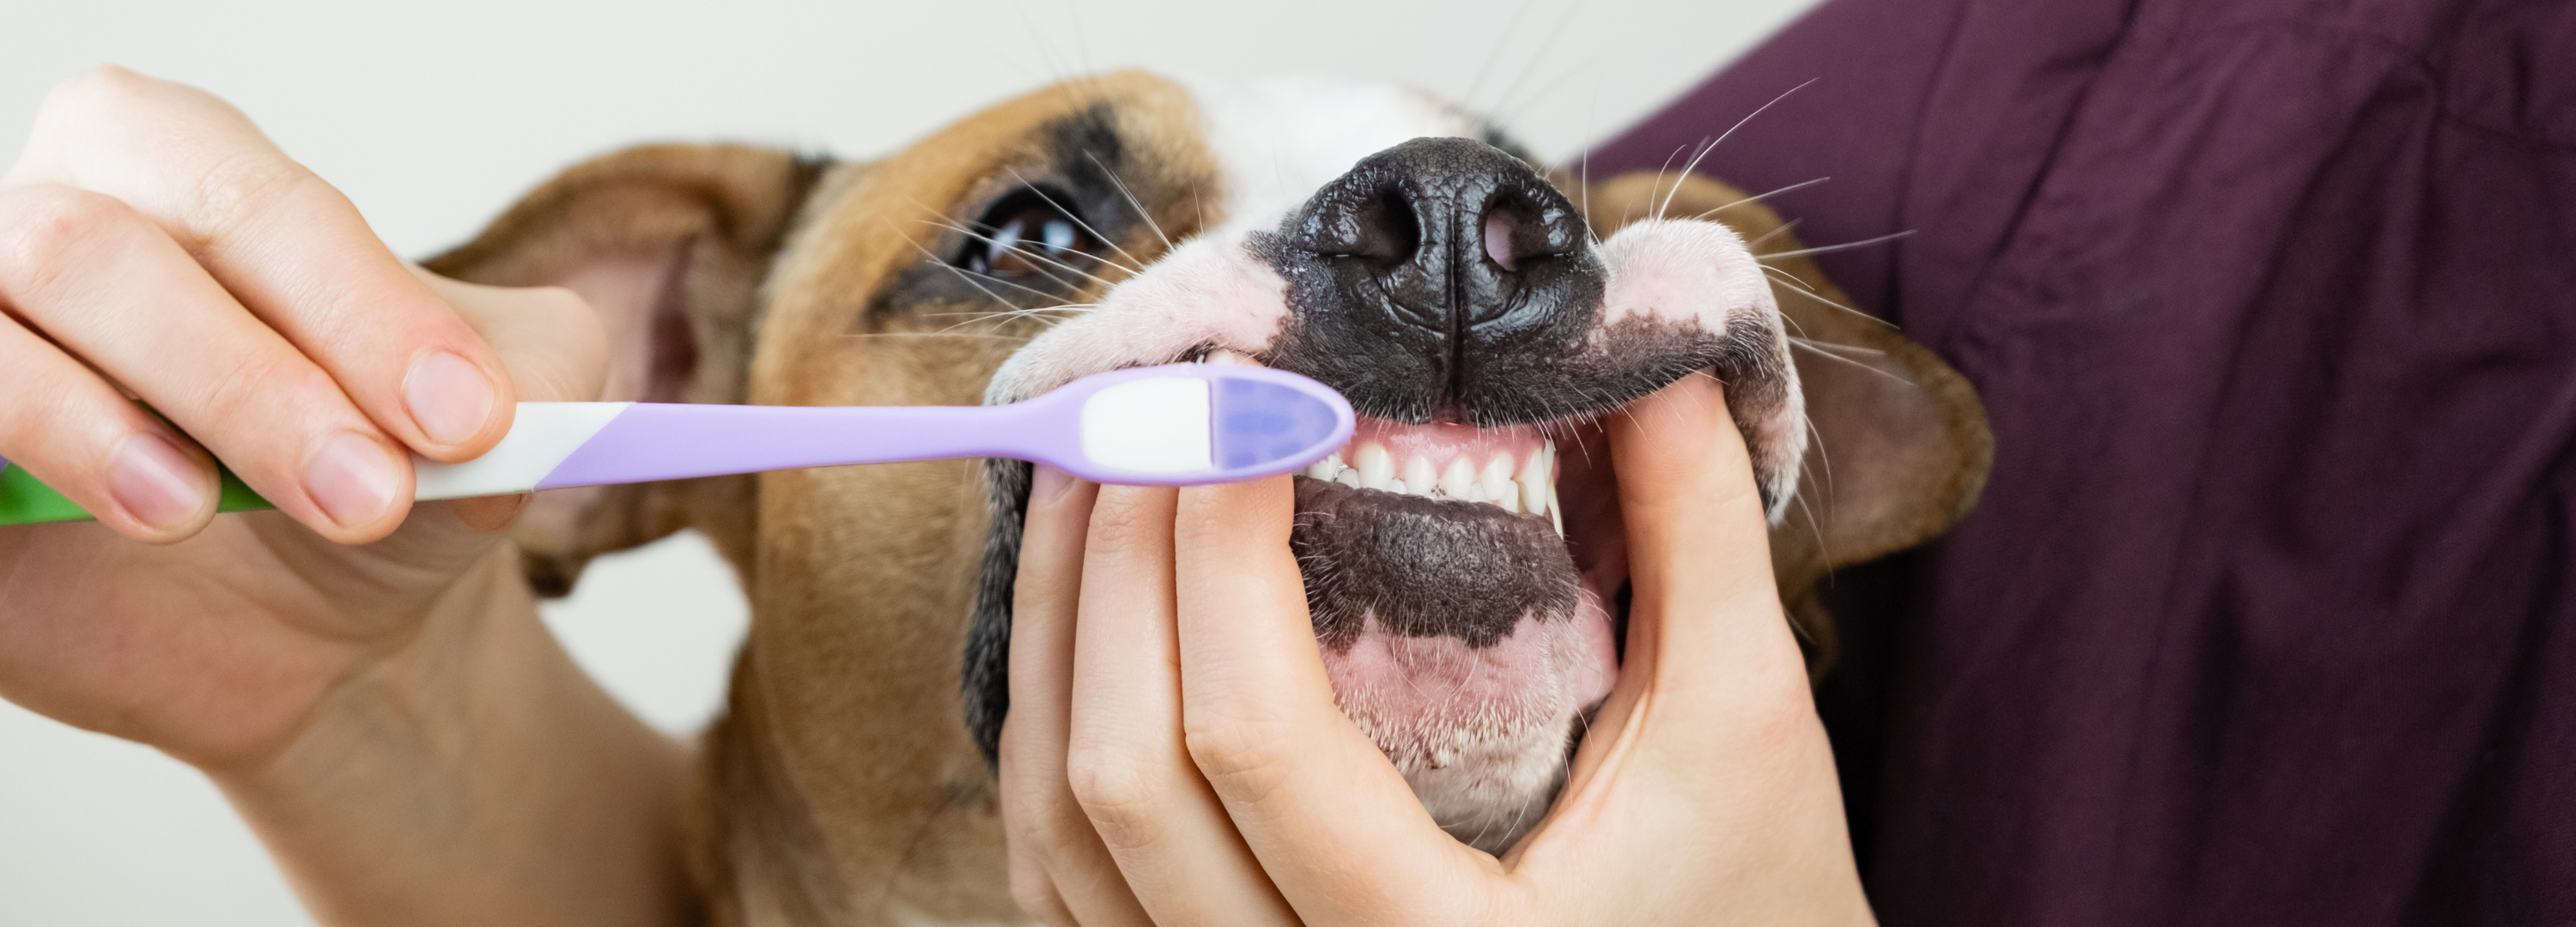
(1387, 232)
(1498, 239)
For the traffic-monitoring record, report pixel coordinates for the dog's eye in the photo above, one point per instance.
(1030, 233)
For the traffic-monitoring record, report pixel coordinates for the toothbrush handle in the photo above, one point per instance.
(555, 444)
(652, 441)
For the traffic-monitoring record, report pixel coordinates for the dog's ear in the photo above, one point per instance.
(1900, 442)
(669, 244)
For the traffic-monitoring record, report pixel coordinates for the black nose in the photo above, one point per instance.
(1453, 253)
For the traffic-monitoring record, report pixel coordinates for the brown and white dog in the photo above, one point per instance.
(1462, 557)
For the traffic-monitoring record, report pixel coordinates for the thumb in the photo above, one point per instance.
(549, 341)
(547, 338)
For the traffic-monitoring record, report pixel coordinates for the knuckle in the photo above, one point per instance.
(1232, 748)
(1109, 784)
(104, 89)
(51, 228)
(243, 185)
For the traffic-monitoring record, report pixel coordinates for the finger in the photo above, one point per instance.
(1129, 765)
(1332, 822)
(70, 429)
(1050, 840)
(1705, 622)
(553, 347)
(110, 288)
(288, 246)
(1710, 742)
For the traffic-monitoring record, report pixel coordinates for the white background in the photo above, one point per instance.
(433, 116)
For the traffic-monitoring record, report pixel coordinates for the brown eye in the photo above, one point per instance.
(1030, 233)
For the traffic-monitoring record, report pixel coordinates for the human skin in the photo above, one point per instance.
(367, 681)
(1179, 758)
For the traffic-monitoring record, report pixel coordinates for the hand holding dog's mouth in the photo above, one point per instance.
(1179, 756)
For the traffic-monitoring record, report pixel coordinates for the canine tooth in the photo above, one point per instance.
(1348, 477)
(1376, 466)
(1418, 477)
(1459, 480)
(1555, 511)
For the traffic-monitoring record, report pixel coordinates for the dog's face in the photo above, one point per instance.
(1464, 555)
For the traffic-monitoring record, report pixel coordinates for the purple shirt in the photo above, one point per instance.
(2266, 616)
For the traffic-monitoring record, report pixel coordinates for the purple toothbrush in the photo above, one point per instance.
(1177, 425)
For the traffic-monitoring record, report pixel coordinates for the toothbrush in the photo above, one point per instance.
(1176, 425)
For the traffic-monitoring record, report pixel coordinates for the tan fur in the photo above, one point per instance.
(697, 224)
(841, 787)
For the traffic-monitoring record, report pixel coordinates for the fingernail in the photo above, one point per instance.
(353, 479)
(155, 482)
(450, 397)
(1049, 484)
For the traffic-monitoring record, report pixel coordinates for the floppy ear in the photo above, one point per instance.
(1901, 447)
(669, 244)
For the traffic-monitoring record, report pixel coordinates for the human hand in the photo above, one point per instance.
(158, 246)
(1174, 754)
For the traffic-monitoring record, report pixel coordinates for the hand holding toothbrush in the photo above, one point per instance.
(153, 242)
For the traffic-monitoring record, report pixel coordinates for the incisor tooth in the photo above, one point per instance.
(1496, 481)
(1459, 479)
(1396, 487)
(1348, 477)
(1229, 357)
(1534, 482)
(1418, 478)
(1375, 465)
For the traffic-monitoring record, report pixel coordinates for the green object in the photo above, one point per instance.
(25, 500)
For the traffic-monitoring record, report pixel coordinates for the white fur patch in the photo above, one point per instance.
(1688, 270)
(1279, 139)
(1209, 292)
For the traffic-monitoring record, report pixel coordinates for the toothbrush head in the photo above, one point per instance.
(1193, 424)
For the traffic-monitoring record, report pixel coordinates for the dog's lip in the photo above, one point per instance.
(1581, 494)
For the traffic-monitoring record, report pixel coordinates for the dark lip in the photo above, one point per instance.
(1405, 536)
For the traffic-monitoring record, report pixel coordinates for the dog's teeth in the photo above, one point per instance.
(1534, 482)
(1229, 357)
(1348, 477)
(1555, 512)
(1418, 477)
(1459, 480)
(1375, 465)
(1326, 468)
(1396, 487)
(1496, 481)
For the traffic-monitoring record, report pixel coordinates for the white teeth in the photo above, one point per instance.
(1375, 466)
(1496, 482)
(1529, 489)
(1534, 481)
(1229, 357)
(1459, 480)
(1418, 475)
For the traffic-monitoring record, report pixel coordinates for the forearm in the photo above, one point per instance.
(477, 777)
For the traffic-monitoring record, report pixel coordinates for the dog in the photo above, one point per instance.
(1463, 555)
